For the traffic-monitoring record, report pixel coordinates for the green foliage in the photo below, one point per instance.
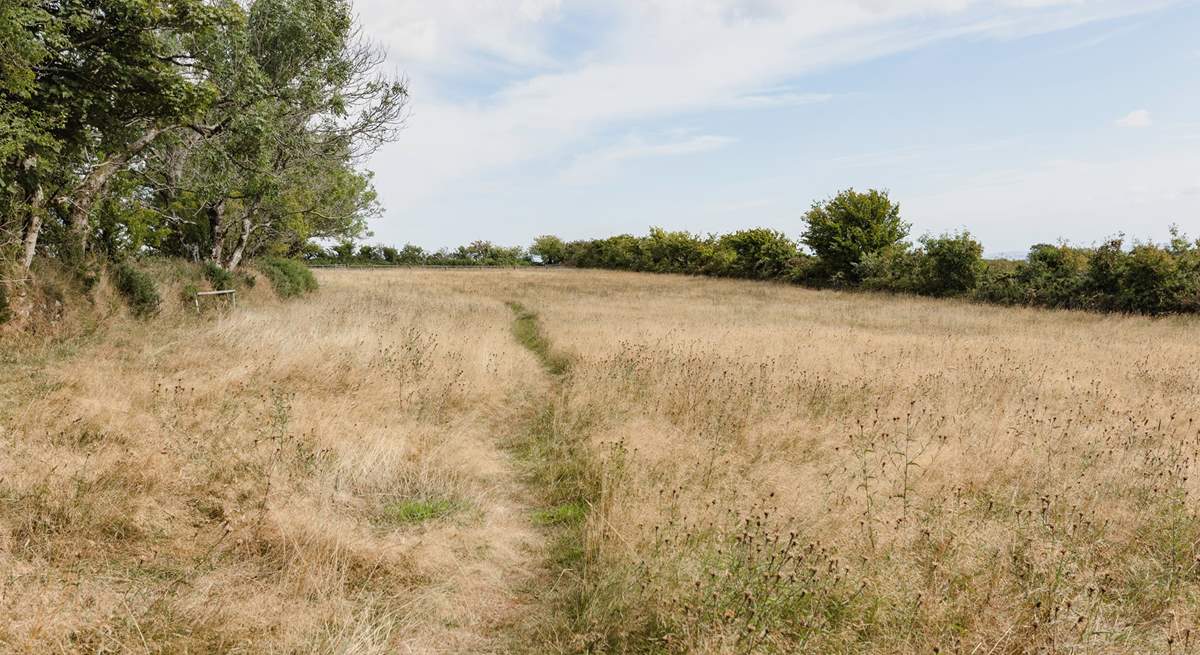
(187, 293)
(1148, 279)
(139, 289)
(896, 268)
(219, 278)
(950, 265)
(549, 248)
(289, 277)
(851, 225)
(757, 253)
(206, 129)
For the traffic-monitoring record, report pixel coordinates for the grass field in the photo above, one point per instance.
(579, 461)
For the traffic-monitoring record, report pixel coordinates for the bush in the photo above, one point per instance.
(896, 269)
(289, 277)
(138, 288)
(1055, 276)
(950, 264)
(1150, 281)
(1105, 269)
(851, 225)
(758, 253)
(219, 278)
(999, 283)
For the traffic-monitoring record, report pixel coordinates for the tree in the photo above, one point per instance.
(849, 226)
(550, 248)
(101, 80)
(275, 160)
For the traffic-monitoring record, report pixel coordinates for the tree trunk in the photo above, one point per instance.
(243, 239)
(34, 228)
(216, 231)
(97, 181)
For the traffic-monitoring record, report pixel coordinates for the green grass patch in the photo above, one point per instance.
(569, 513)
(529, 334)
(419, 510)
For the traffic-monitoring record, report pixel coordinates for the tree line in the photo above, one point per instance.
(858, 240)
(214, 130)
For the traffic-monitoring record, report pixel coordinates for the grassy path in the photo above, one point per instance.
(562, 477)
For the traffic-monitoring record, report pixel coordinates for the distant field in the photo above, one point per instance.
(577, 461)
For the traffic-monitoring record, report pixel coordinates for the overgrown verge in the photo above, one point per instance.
(289, 277)
(56, 300)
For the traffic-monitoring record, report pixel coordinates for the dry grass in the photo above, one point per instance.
(793, 471)
(315, 476)
(764, 469)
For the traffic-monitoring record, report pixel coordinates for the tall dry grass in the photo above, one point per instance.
(794, 471)
(322, 475)
(764, 469)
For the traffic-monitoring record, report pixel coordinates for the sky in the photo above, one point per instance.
(1022, 121)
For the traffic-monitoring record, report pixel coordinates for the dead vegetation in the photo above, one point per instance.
(714, 467)
(314, 476)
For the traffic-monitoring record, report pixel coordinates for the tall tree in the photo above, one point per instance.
(104, 78)
(300, 104)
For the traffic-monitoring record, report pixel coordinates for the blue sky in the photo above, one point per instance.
(1024, 121)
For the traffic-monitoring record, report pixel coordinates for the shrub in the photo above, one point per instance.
(758, 253)
(218, 277)
(188, 293)
(895, 269)
(851, 225)
(1055, 276)
(950, 264)
(289, 277)
(1150, 281)
(999, 282)
(674, 252)
(1105, 268)
(138, 288)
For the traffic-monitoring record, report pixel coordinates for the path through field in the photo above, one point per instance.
(416, 461)
(328, 475)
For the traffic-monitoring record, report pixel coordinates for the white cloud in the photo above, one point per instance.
(777, 99)
(557, 73)
(595, 165)
(1137, 118)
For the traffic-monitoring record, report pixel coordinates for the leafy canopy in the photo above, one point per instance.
(851, 225)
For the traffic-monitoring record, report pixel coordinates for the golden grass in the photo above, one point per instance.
(765, 469)
(788, 470)
(230, 484)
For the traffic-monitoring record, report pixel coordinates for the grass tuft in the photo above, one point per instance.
(420, 510)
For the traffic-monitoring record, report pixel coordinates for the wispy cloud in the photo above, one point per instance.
(1137, 118)
(597, 164)
(650, 59)
(773, 99)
